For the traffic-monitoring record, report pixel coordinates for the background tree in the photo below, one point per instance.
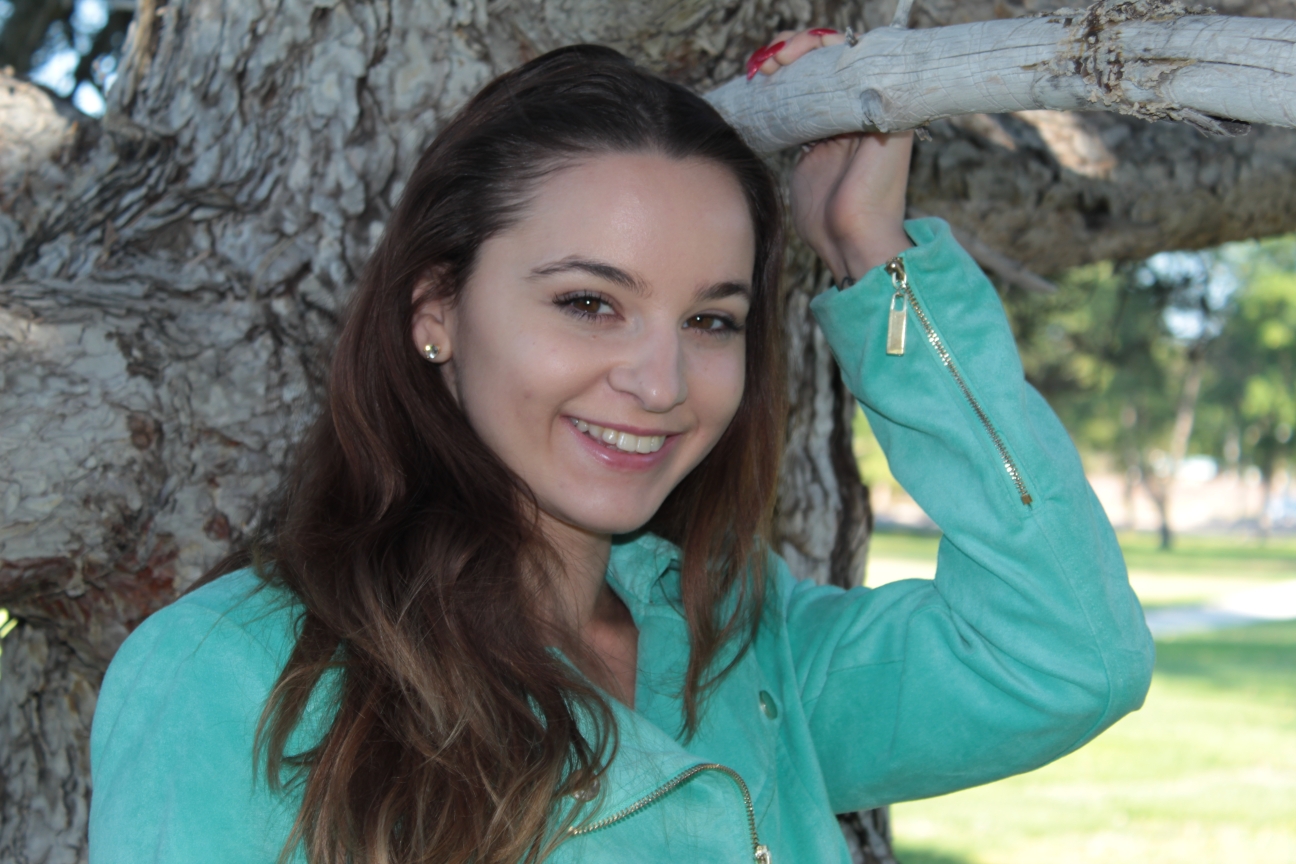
(33, 32)
(1251, 375)
(1120, 351)
(1145, 360)
(172, 273)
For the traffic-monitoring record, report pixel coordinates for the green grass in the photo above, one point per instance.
(1212, 555)
(6, 623)
(1220, 559)
(1206, 772)
(911, 545)
(930, 856)
(1191, 554)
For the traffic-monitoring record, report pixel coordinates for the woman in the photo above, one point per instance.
(518, 604)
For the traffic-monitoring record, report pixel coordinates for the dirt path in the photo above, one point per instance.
(1276, 602)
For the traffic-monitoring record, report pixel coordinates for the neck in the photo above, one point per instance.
(585, 603)
(583, 556)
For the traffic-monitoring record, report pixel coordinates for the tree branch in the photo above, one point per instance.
(1008, 269)
(1146, 58)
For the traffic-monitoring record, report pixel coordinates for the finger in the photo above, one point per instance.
(760, 56)
(803, 43)
(797, 47)
(789, 45)
(838, 148)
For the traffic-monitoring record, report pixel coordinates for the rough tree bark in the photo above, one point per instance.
(172, 273)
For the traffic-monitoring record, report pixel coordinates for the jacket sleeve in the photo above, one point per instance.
(1029, 642)
(171, 746)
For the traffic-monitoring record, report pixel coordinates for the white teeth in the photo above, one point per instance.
(622, 441)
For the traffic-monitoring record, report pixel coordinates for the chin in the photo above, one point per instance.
(609, 519)
(627, 525)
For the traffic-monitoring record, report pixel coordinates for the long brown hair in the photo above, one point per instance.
(414, 550)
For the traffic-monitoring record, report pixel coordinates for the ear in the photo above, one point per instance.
(433, 319)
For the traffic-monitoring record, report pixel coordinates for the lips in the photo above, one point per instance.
(618, 439)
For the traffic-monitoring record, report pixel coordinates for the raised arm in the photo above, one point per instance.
(1029, 641)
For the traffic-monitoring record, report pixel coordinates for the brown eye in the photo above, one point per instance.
(585, 306)
(711, 323)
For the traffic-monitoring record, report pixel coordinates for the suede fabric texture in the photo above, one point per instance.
(1028, 643)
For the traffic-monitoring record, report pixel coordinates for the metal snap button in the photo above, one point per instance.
(768, 705)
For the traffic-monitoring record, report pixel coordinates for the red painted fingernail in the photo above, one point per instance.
(822, 31)
(759, 56)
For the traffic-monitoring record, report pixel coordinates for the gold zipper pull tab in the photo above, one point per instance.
(896, 320)
(896, 325)
(763, 855)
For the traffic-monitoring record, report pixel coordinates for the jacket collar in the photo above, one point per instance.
(647, 757)
(644, 570)
(637, 566)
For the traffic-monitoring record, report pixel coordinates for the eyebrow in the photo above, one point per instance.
(614, 274)
(600, 269)
(720, 290)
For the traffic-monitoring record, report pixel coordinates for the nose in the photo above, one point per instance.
(652, 370)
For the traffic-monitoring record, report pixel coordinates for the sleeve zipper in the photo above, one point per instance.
(904, 293)
(760, 853)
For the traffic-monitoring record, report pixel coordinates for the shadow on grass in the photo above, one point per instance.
(920, 855)
(1258, 656)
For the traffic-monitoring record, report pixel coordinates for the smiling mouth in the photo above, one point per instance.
(618, 440)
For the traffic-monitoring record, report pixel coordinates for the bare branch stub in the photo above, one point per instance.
(903, 12)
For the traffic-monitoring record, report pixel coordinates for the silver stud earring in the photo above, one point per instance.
(431, 351)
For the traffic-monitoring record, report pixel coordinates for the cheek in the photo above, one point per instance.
(716, 388)
(516, 378)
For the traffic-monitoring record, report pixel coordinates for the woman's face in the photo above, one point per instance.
(598, 347)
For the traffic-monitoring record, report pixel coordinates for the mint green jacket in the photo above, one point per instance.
(1028, 643)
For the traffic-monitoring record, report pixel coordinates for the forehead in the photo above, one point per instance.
(670, 220)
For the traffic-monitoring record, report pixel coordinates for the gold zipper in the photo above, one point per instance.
(895, 345)
(760, 853)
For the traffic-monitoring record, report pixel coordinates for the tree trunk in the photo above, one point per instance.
(823, 519)
(45, 707)
(1165, 186)
(1180, 433)
(171, 274)
(1159, 489)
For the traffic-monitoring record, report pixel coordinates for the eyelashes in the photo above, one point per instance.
(592, 306)
(585, 304)
(713, 324)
